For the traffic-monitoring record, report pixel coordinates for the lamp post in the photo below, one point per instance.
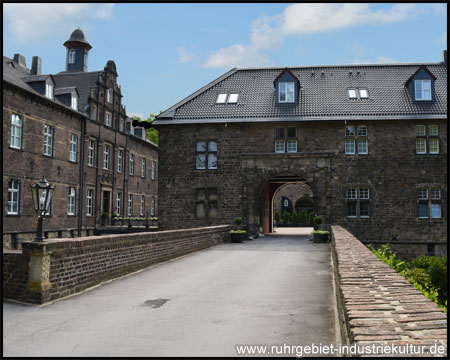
(42, 197)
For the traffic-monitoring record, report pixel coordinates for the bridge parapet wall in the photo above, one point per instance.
(56, 268)
(378, 306)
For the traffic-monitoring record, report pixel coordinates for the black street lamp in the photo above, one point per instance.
(42, 198)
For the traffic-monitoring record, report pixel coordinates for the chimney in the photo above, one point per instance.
(36, 66)
(20, 59)
(444, 57)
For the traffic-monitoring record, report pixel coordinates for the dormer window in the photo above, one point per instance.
(72, 56)
(286, 92)
(422, 90)
(287, 88)
(49, 90)
(74, 102)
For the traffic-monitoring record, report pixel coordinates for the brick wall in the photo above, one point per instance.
(77, 264)
(376, 304)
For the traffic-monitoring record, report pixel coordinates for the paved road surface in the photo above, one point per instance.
(274, 290)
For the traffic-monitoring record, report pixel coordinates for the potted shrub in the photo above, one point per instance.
(295, 217)
(238, 220)
(277, 217)
(317, 221)
(320, 236)
(286, 217)
(311, 218)
(114, 217)
(238, 235)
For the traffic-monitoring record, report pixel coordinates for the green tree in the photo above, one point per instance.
(277, 217)
(303, 216)
(286, 217)
(151, 133)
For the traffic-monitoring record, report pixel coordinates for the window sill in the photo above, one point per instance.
(15, 148)
(13, 215)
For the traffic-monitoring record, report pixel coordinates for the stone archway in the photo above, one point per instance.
(269, 191)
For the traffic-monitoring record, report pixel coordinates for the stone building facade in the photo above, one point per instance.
(71, 127)
(370, 141)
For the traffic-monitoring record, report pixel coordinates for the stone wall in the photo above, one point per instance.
(377, 305)
(391, 170)
(60, 267)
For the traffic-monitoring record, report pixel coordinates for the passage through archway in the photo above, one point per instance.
(285, 194)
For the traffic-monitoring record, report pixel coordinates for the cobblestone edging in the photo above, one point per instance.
(378, 305)
(56, 268)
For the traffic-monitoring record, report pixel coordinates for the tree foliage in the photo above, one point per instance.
(150, 133)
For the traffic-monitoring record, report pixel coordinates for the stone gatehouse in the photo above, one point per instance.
(369, 141)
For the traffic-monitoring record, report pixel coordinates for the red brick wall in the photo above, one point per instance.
(79, 263)
(377, 305)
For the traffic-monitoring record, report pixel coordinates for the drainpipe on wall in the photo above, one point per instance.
(81, 194)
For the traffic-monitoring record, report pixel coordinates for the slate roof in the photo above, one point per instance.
(15, 74)
(323, 95)
(83, 81)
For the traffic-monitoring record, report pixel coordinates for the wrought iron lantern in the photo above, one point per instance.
(42, 198)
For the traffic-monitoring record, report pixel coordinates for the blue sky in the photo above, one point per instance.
(164, 52)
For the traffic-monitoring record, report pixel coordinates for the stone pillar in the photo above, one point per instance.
(39, 270)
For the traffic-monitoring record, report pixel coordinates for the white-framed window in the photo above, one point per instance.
(291, 146)
(130, 205)
(357, 93)
(364, 193)
(72, 198)
(72, 55)
(433, 145)
(153, 206)
(94, 112)
(423, 194)
(13, 197)
(16, 131)
(73, 147)
(429, 203)
(279, 146)
(420, 130)
(352, 93)
(435, 194)
(85, 59)
(153, 170)
(350, 146)
(48, 140)
(433, 130)
(91, 153)
(286, 92)
(142, 205)
(74, 102)
(89, 202)
(436, 211)
(352, 194)
(108, 119)
(362, 146)
(286, 202)
(421, 147)
(109, 96)
(143, 168)
(356, 141)
(106, 156)
(422, 89)
(119, 203)
(349, 131)
(49, 90)
(206, 155)
(363, 93)
(362, 130)
(121, 125)
(120, 160)
(131, 164)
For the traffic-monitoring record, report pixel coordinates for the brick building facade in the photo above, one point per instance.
(370, 141)
(71, 127)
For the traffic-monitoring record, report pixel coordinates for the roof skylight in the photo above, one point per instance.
(221, 98)
(233, 98)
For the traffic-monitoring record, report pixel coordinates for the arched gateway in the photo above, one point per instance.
(269, 192)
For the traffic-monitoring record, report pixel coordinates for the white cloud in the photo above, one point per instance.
(379, 60)
(301, 19)
(184, 55)
(29, 22)
(140, 115)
